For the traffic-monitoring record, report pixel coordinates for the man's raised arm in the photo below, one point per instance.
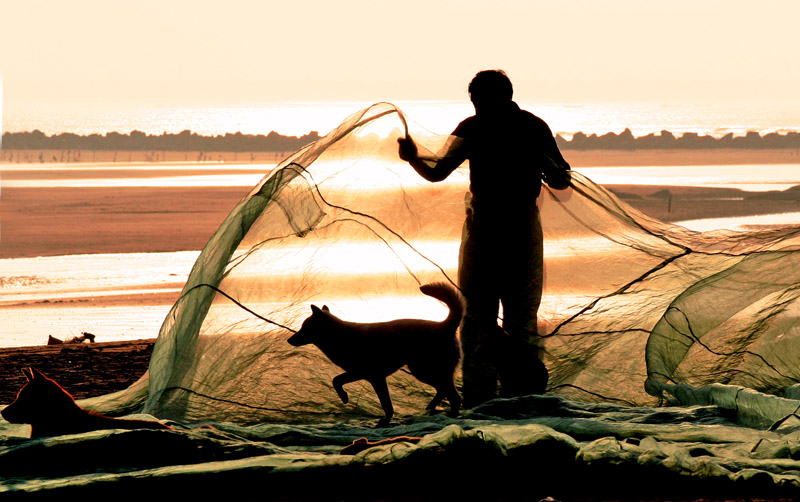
(433, 167)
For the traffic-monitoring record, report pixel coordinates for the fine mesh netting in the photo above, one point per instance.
(634, 311)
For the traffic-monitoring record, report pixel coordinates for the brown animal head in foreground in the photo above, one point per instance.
(52, 411)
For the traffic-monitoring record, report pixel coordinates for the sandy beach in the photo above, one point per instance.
(58, 221)
(678, 157)
(69, 221)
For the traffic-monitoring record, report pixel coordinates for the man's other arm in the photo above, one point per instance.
(555, 170)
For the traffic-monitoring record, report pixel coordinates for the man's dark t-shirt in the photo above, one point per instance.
(505, 152)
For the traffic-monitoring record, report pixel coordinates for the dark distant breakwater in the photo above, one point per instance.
(185, 141)
(188, 141)
(665, 140)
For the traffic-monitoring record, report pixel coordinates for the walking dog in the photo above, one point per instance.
(373, 351)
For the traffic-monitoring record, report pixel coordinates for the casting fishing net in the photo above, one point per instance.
(634, 311)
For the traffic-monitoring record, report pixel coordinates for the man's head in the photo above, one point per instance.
(490, 89)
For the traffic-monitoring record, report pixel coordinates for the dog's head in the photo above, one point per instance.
(312, 327)
(38, 399)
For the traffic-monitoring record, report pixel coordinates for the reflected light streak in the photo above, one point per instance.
(359, 258)
(55, 296)
(218, 180)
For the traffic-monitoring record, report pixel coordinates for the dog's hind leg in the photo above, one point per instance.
(435, 401)
(382, 389)
(447, 390)
(455, 399)
(339, 381)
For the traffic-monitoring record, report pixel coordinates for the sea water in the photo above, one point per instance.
(52, 295)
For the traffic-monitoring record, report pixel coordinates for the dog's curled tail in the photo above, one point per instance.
(451, 297)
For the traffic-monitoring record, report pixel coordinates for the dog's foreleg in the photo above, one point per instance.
(338, 383)
(379, 384)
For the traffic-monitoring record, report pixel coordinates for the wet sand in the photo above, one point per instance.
(673, 204)
(59, 221)
(679, 157)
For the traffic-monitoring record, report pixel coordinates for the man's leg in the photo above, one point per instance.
(476, 281)
(523, 278)
(521, 297)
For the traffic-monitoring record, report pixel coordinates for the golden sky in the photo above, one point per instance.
(189, 52)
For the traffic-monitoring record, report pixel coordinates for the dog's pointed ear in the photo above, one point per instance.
(28, 372)
(325, 308)
(32, 374)
(315, 309)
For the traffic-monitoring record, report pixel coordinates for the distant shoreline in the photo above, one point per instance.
(576, 158)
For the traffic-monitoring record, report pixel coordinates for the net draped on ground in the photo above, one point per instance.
(635, 311)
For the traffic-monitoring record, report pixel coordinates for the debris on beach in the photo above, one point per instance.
(85, 336)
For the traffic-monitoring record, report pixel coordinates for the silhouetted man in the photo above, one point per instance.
(510, 152)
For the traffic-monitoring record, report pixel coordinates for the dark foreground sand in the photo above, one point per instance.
(84, 370)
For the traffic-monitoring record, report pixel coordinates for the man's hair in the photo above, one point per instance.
(490, 85)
